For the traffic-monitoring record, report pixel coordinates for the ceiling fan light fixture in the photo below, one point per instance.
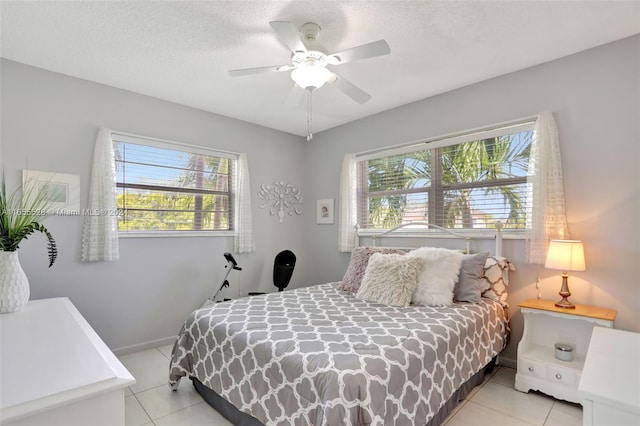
(310, 76)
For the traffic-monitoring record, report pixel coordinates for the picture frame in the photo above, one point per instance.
(325, 212)
(64, 190)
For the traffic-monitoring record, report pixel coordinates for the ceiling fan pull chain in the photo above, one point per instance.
(309, 133)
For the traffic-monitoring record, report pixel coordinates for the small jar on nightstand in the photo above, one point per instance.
(547, 327)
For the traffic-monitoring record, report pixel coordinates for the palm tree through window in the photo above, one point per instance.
(162, 188)
(467, 185)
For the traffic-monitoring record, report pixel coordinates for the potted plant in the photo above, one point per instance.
(20, 214)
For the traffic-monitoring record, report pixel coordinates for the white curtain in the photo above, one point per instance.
(348, 204)
(546, 190)
(100, 228)
(242, 209)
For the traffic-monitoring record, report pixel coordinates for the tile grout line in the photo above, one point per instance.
(135, 394)
(472, 393)
(170, 413)
(162, 353)
(177, 411)
(143, 409)
(504, 414)
(546, 419)
(511, 387)
(456, 410)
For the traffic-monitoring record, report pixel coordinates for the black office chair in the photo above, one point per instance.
(283, 269)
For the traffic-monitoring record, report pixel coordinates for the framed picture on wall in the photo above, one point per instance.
(62, 189)
(324, 212)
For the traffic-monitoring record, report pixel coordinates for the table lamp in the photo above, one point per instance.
(565, 255)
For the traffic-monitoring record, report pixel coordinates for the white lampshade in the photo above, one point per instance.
(307, 76)
(565, 255)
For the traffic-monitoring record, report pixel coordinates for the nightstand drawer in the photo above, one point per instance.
(533, 368)
(563, 376)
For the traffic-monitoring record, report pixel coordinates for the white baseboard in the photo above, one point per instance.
(145, 345)
(507, 362)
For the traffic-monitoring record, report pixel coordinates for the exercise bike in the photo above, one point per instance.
(230, 266)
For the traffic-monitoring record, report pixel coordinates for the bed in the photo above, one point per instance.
(320, 355)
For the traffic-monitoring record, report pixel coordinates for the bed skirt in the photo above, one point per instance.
(238, 418)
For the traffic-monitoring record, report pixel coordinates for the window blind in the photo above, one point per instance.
(464, 182)
(161, 187)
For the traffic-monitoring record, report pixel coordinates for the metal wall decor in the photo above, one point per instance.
(281, 198)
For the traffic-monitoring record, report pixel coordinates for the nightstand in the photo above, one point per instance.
(544, 325)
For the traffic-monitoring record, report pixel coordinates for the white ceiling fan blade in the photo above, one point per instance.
(259, 70)
(295, 96)
(289, 35)
(369, 50)
(349, 89)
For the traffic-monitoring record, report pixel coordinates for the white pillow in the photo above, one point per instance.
(441, 268)
(390, 279)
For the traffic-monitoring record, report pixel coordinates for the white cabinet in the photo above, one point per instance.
(610, 382)
(55, 370)
(544, 326)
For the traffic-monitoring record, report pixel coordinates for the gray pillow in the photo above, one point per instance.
(469, 286)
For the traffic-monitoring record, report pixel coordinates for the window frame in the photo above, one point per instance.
(192, 149)
(437, 187)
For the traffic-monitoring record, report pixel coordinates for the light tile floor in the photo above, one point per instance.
(495, 402)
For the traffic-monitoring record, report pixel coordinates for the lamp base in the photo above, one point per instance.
(565, 293)
(565, 304)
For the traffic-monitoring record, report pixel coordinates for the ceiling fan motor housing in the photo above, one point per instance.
(309, 58)
(310, 31)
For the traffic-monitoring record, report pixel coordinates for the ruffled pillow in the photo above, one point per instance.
(390, 279)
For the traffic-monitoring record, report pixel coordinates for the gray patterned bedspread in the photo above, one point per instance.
(318, 356)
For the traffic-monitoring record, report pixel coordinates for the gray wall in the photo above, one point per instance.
(595, 98)
(49, 123)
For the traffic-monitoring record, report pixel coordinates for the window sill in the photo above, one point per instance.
(174, 234)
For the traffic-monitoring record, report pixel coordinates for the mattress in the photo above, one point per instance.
(320, 356)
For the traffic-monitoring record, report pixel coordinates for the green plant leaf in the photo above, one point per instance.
(20, 212)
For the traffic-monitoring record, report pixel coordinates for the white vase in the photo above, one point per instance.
(14, 285)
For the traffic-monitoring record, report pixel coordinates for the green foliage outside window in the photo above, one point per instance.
(161, 189)
(468, 185)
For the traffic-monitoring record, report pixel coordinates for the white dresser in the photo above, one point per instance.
(55, 370)
(610, 383)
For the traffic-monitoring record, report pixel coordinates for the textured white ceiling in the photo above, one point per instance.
(180, 51)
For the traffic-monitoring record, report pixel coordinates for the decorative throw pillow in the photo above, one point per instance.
(496, 279)
(471, 278)
(358, 264)
(438, 277)
(390, 279)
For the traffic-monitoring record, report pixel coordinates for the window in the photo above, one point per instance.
(172, 187)
(466, 182)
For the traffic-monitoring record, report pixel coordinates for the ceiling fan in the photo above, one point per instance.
(309, 67)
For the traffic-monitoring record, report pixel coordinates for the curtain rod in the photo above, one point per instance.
(469, 132)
